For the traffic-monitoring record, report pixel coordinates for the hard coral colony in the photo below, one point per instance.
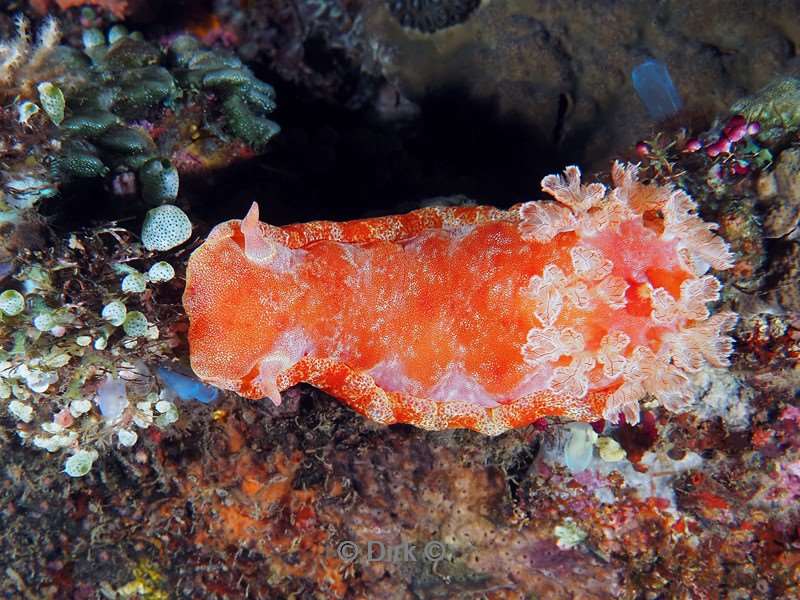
(470, 317)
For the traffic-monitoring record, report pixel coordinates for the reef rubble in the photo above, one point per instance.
(126, 477)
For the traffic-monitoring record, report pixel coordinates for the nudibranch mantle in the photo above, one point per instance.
(471, 316)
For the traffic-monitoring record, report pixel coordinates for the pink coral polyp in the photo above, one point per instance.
(471, 317)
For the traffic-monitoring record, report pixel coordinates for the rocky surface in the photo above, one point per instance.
(564, 70)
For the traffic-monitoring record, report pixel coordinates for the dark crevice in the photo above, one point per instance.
(330, 162)
(564, 104)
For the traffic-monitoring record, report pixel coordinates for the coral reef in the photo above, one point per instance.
(25, 130)
(242, 501)
(123, 106)
(82, 323)
(785, 271)
(244, 99)
(123, 476)
(83, 328)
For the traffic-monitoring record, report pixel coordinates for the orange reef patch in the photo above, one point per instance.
(470, 317)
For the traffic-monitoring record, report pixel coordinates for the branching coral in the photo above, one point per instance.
(25, 70)
(470, 316)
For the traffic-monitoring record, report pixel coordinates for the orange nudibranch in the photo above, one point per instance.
(470, 317)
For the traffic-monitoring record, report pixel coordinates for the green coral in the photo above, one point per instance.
(90, 124)
(133, 79)
(160, 272)
(92, 38)
(245, 99)
(114, 312)
(26, 109)
(568, 534)
(79, 163)
(108, 98)
(134, 283)
(80, 463)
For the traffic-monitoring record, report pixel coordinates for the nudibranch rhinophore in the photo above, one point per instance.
(470, 316)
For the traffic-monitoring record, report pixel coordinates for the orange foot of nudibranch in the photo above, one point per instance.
(472, 316)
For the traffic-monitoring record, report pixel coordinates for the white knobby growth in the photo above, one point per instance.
(545, 290)
(569, 191)
(591, 268)
(665, 308)
(590, 264)
(692, 346)
(18, 60)
(550, 344)
(694, 295)
(572, 381)
(612, 291)
(693, 339)
(542, 221)
(588, 208)
(699, 247)
(637, 197)
(623, 175)
(717, 348)
(610, 354)
(579, 294)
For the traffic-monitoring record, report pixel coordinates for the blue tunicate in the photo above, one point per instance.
(187, 388)
(655, 88)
